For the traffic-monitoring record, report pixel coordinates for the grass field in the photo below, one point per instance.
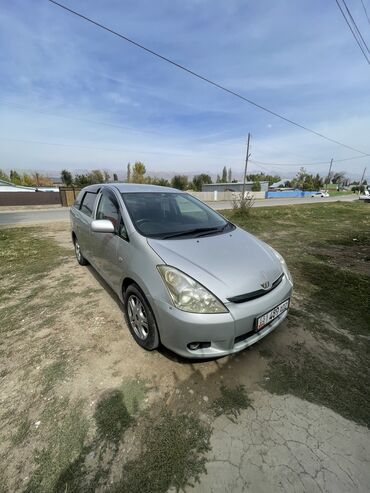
(327, 249)
(84, 409)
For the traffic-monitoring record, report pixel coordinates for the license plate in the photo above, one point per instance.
(268, 317)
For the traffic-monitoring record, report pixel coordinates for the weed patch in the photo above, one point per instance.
(66, 435)
(52, 374)
(172, 455)
(112, 417)
(22, 432)
(231, 401)
(338, 383)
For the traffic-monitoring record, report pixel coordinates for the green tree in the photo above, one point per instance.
(15, 177)
(128, 175)
(66, 177)
(138, 172)
(82, 180)
(106, 176)
(306, 181)
(338, 177)
(180, 182)
(229, 176)
(115, 177)
(27, 180)
(162, 182)
(264, 177)
(256, 186)
(96, 176)
(4, 176)
(199, 180)
(224, 175)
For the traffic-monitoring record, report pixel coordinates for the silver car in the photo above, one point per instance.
(187, 277)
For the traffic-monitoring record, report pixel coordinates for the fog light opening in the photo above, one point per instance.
(193, 346)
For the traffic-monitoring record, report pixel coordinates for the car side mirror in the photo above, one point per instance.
(102, 226)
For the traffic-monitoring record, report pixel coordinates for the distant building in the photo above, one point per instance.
(233, 187)
(279, 184)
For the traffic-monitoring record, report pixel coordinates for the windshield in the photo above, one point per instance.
(173, 215)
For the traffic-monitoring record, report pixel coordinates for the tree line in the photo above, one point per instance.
(26, 179)
(136, 173)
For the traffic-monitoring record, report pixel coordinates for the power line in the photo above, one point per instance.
(132, 129)
(352, 31)
(356, 26)
(205, 79)
(365, 10)
(306, 164)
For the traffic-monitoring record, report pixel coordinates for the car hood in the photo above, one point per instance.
(229, 264)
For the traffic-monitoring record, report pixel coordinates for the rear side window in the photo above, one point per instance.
(88, 202)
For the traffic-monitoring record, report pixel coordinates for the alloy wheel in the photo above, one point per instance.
(137, 317)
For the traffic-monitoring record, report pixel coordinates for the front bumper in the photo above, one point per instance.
(227, 333)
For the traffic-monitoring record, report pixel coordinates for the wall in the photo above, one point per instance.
(236, 187)
(222, 196)
(29, 198)
(288, 193)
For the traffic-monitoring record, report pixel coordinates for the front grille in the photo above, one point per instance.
(256, 294)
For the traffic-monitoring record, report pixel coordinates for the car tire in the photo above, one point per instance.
(140, 319)
(80, 258)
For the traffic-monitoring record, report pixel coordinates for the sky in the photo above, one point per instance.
(73, 96)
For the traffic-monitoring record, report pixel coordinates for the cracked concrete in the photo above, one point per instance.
(287, 444)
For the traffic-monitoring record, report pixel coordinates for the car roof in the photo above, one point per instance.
(131, 188)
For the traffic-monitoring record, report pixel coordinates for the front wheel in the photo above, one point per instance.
(140, 319)
(80, 258)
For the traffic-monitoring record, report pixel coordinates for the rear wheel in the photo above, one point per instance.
(80, 258)
(140, 319)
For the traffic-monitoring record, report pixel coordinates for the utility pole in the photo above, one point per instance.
(328, 177)
(362, 179)
(246, 164)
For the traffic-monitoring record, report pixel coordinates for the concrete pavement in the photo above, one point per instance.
(285, 444)
(11, 217)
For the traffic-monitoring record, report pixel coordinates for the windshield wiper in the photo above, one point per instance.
(194, 231)
(218, 230)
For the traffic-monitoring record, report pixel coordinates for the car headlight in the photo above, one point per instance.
(284, 266)
(187, 294)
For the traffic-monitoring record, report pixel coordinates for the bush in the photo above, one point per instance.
(243, 205)
(256, 187)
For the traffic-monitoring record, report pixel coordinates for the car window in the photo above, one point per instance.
(190, 209)
(108, 209)
(88, 202)
(161, 215)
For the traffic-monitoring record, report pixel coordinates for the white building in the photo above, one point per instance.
(6, 186)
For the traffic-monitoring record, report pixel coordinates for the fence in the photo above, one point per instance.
(288, 193)
(223, 196)
(29, 198)
(68, 195)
